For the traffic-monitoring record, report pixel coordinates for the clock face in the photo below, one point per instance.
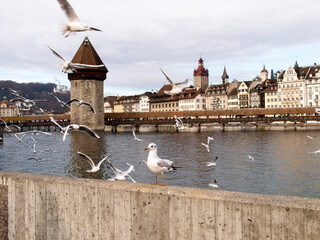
(204, 79)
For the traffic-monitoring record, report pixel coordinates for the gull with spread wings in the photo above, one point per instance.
(74, 24)
(135, 137)
(81, 102)
(17, 93)
(81, 128)
(120, 175)
(208, 143)
(176, 87)
(94, 168)
(69, 67)
(27, 102)
(62, 103)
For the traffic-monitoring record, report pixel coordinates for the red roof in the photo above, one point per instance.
(201, 70)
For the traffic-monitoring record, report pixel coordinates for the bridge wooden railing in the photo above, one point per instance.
(192, 117)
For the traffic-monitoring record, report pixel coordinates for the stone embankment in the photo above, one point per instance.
(51, 207)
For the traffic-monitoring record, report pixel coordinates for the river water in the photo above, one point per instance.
(283, 165)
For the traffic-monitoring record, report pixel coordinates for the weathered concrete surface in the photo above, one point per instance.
(108, 128)
(125, 128)
(190, 128)
(207, 127)
(3, 212)
(167, 128)
(148, 128)
(50, 207)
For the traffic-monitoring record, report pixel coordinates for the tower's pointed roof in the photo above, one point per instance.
(224, 75)
(86, 54)
(264, 70)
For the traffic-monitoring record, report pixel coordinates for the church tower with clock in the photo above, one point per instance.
(201, 76)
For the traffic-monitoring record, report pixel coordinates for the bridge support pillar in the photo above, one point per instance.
(147, 128)
(1, 135)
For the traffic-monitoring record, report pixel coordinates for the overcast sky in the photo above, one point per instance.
(141, 36)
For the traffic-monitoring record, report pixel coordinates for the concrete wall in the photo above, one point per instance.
(50, 207)
(3, 212)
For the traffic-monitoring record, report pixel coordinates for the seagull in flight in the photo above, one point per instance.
(214, 184)
(176, 88)
(120, 175)
(135, 137)
(250, 157)
(27, 102)
(81, 128)
(19, 138)
(81, 102)
(311, 137)
(208, 143)
(10, 126)
(34, 145)
(69, 67)
(179, 123)
(62, 129)
(63, 104)
(74, 24)
(316, 152)
(17, 93)
(35, 132)
(94, 168)
(209, 164)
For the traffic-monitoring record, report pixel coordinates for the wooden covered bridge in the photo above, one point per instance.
(242, 116)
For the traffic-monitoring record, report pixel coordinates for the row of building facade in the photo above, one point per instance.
(294, 87)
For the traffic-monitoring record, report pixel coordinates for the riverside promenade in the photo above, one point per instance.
(53, 207)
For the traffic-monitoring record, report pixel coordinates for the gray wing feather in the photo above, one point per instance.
(165, 163)
(89, 160)
(88, 131)
(170, 81)
(68, 10)
(102, 160)
(88, 104)
(72, 100)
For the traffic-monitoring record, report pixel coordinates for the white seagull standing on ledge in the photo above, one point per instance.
(74, 24)
(158, 165)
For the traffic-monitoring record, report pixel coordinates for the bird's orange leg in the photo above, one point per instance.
(156, 180)
(163, 184)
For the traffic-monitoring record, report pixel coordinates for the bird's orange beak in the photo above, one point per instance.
(146, 149)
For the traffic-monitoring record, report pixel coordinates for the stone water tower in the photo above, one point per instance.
(87, 85)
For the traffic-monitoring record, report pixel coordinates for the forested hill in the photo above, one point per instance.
(36, 91)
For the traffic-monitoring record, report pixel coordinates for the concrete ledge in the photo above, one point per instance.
(51, 207)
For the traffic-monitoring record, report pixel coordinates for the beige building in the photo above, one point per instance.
(160, 102)
(244, 94)
(192, 99)
(291, 87)
(216, 96)
(233, 102)
(8, 110)
(109, 104)
(312, 83)
(271, 96)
